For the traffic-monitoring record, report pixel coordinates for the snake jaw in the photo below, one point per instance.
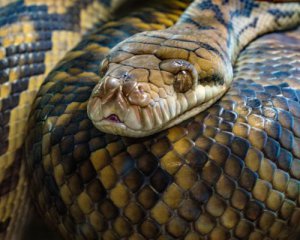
(137, 109)
(114, 105)
(102, 118)
(151, 89)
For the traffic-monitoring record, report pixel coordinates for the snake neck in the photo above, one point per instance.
(233, 24)
(173, 74)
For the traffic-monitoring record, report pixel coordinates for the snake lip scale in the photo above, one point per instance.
(113, 122)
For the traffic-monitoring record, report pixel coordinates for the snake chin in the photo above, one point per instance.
(107, 126)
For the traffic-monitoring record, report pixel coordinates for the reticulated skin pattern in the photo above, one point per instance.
(34, 36)
(231, 172)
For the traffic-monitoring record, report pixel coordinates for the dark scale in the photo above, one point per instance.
(28, 57)
(250, 25)
(248, 7)
(3, 146)
(11, 175)
(3, 131)
(209, 5)
(199, 175)
(187, 19)
(279, 13)
(3, 64)
(4, 225)
(290, 93)
(4, 76)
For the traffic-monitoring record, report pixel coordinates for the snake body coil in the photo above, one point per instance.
(231, 172)
(34, 36)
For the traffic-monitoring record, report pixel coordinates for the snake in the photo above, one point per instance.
(157, 79)
(230, 172)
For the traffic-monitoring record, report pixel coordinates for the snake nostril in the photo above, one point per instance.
(111, 84)
(126, 77)
(107, 89)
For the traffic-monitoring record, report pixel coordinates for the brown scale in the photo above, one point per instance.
(231, 172)
(34, 36)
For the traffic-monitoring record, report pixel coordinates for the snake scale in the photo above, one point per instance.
(34, 35)
(171, 75)
(231, 172)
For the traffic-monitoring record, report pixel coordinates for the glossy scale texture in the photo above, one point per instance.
(232, 172)
(34, 36)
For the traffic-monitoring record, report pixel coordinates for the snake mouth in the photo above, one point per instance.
(112, 125)
(132, 121)
(113, 118)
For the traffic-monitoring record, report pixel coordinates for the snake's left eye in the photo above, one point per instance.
(183, 81)
(103, 67)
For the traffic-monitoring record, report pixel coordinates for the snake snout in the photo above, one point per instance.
(106, 89)
(111, 83)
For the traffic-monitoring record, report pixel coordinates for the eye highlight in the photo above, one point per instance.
(183, 81)
(103, 67)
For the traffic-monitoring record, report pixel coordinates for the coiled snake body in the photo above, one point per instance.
(171, 75)
(230, 172)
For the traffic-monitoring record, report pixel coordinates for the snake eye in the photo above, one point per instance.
(183, 81)
(103, 67)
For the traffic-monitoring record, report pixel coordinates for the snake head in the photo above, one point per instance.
(145, 88)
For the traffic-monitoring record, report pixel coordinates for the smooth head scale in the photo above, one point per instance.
(149, 83)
